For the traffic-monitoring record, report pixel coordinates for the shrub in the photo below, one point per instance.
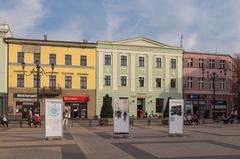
(107, 110)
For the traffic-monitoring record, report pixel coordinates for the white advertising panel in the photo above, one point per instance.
(53, 118)
(121, 116)
(176, 114)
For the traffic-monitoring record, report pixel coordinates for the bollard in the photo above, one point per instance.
(90, 122)
(20, 123)
(149, 121)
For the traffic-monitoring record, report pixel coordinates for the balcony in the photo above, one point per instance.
(50, 91)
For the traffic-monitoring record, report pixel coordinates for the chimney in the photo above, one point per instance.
(45, 37)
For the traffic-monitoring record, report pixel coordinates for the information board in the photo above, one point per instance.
(176, 113)
(121, 116)
(53, 118)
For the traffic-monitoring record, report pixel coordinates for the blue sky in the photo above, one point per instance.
(206, 25)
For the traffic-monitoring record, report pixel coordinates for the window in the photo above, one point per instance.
(201, 63)
(211, 83)
(141, 81)
(158, 63)
(107, 80)
(173, 83)
(189, 82)
(52, 81)
(159, 105)
(68, 82)
(173, 63)
(20, 80)
(107, 59)
(68, 60)
(190, 62)
(52, 59)
(83, 82)
(158, 82)
(83, 60)
(141, 61)
(20, 57)
(222, 83)
(123, 80)
(35, 81)
(222, 64)
(36, 57)
(123, 60)
(211, 64)
(200, 82)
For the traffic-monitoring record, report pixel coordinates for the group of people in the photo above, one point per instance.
(33, 119)
(189, 119)
(4, 120)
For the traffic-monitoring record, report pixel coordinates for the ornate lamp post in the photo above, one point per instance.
(213, 76)
(38, 71)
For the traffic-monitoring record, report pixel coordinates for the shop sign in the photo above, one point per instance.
(121, 116)
(176, 110)
(76, 98)
(24, 95)
(195, 96)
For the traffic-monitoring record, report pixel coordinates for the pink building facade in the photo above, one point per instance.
(207, 83)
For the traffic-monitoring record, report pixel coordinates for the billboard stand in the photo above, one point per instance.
(121, 118)
(53, 119)
(176, 113)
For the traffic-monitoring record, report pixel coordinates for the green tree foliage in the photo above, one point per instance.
(107, 110)
(166, 110)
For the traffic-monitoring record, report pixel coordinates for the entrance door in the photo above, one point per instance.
(78, 110)
(140, 107)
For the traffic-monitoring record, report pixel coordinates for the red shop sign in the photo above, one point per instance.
(76, 98)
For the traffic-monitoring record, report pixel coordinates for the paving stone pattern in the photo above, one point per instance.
(208, 141)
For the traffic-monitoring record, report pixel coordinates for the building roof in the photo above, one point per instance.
(139, 41)
(211, 54)
(50, 43)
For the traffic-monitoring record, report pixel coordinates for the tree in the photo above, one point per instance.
(166, 110)
(107, 110)
(236, 82)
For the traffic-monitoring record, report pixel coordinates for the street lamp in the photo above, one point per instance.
(39, 71)
(213, 76)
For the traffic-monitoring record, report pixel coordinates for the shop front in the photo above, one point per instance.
(77, 105)
(24, 102)
(219, 108)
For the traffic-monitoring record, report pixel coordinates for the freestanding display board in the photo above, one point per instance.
(176, 114)
(53, 118)
(121, 116)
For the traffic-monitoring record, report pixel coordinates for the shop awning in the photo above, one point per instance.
(76, 98)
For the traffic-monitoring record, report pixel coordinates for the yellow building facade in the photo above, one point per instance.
(68, 72)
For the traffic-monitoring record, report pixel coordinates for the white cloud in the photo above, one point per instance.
(23, 15)
(190, 42)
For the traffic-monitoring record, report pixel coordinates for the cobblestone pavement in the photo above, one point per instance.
(209, 141)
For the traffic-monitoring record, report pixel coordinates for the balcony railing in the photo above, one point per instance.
(50, 91)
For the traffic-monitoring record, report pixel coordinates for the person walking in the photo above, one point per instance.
(30, 117)
(66, 116)
(4, 120)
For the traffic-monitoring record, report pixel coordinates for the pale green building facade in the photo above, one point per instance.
(4, 32)
(142, 70)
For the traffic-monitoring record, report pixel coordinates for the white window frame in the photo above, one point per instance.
(222, 83)
(121, 80)
(105, 81)
(190, 62)
(189, 82)
(200, 82)
(222, 64)
(143, 81)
